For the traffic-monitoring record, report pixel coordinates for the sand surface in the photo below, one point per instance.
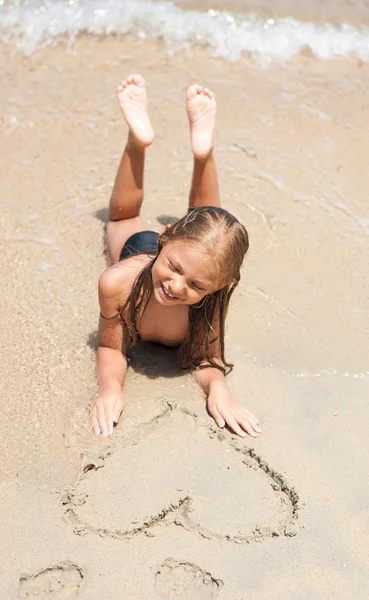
(170, 507)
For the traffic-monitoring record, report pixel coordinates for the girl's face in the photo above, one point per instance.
(181, 275)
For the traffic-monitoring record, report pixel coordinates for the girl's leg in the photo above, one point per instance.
(204, 186)
(127, 194)
(126, 199)
(201, 109)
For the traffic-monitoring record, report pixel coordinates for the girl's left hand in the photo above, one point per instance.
(227, 411)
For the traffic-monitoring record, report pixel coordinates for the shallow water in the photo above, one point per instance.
(266, 33)
(317, 11)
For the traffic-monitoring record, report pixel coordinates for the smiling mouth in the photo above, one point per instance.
(166, 295)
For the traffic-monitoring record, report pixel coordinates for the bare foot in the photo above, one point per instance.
(201, 109)
(132, 99)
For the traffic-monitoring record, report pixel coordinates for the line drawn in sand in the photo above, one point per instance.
(190, 484)
(177, 579)
(59, 582)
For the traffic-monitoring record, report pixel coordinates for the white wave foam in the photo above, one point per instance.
(33, 24)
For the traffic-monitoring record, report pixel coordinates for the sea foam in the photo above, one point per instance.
(32, 24)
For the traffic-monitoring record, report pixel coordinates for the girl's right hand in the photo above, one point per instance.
(106, 411)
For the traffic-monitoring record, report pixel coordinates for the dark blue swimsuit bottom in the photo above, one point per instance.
(146, 242)
(143, 242)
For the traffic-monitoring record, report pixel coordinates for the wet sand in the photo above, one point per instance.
(170, 507)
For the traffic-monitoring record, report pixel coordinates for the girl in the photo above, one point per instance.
(172, 288)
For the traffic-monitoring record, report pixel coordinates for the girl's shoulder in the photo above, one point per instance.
(116, 282)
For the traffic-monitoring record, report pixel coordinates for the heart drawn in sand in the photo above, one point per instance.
(191, 477)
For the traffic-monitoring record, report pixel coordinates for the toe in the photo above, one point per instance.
(192, 92)
(138, 80)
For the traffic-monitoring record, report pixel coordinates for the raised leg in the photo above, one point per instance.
(201, 110)
(127, 194)
(204, 186)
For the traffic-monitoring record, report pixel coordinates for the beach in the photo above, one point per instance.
(170, 506)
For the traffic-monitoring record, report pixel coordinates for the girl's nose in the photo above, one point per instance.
(176, 286)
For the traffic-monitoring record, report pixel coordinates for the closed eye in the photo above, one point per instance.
(172, 267)
(175, 270)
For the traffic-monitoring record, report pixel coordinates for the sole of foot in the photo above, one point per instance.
(132, 98)
(201, 110)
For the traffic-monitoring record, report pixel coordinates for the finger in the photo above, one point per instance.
(118, 410)
(253, 418)
(217, 416)
(95, 423)
(248, 427)
(102, 420)
(109, 418)
(232, 423)
(255, 425)
(249, 417)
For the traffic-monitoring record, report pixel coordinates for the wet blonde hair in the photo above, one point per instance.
(224, 241)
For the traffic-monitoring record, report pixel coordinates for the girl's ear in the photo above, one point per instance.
(168, 226)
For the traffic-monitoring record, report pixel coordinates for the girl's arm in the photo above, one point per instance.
(111, 362)
(222, 406)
